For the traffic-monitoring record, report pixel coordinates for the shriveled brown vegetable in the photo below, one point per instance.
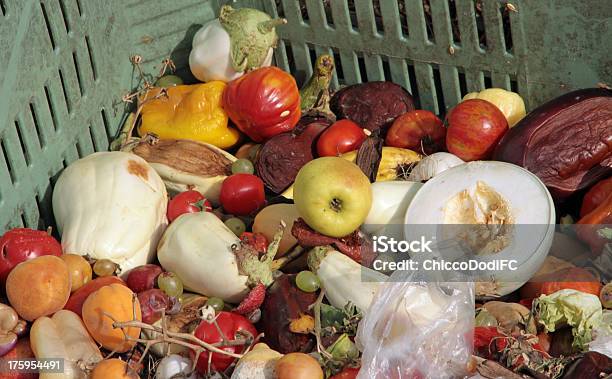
(511, 317)
(282, 156)
(372, 105)
(186, 164)
(369, 155)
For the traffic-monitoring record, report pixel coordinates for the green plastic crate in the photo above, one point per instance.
(65, 64)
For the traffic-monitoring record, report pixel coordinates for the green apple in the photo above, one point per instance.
(332, 195)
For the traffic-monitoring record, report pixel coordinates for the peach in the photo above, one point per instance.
(38, 287)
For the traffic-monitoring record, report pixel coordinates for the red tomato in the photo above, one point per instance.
(257, 240)
(475, 127)
(233, 326)
(263, 103)
(343, 136)
(242, 194)
(22, 244)
(187, 202)
(347, 373)
(421, 131)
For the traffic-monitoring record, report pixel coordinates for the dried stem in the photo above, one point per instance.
(126, 132)
(316, 306)
(279, 263)
(182, 339)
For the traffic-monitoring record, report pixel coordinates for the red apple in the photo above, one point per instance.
(22, 244)
(421, 131)
(152, 303)
(474, 128)
(143, 277)
(22, 350)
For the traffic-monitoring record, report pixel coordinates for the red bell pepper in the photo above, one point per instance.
(595, 196)
(233, 326)
(22, 244)
(263, 103)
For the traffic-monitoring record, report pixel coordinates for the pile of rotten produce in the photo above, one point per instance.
(228, 232)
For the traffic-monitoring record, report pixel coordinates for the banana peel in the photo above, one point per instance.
(395, 163)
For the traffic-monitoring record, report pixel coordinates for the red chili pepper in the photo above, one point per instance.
(22, 244)
(252, 301)
(234, 327)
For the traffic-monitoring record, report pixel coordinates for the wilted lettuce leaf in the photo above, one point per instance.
(581, 311)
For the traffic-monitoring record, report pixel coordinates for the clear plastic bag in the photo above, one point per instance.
(417, 329)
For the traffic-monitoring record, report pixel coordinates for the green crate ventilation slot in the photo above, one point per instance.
(66, 64)
(419, 49)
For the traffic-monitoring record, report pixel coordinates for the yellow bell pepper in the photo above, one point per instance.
(188, 112)
(511, 104)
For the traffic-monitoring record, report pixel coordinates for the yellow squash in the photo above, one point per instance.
(188, 112)
(509, 103)
(394, 165)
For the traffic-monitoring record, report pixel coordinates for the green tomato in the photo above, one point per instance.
(168, 81)
(307, 281)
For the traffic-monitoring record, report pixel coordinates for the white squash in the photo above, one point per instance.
(198, 248)
(64, 336)
(238, 41)
(343, 279)
(390, 200)
(487, 190)
(111, 205)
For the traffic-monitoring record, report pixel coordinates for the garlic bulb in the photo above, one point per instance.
(432, 165)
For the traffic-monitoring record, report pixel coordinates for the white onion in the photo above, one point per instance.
(432, 165)
(174, 366)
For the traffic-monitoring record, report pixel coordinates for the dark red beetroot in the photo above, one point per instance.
(372, 105)
(282, 156)
(566, 142)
